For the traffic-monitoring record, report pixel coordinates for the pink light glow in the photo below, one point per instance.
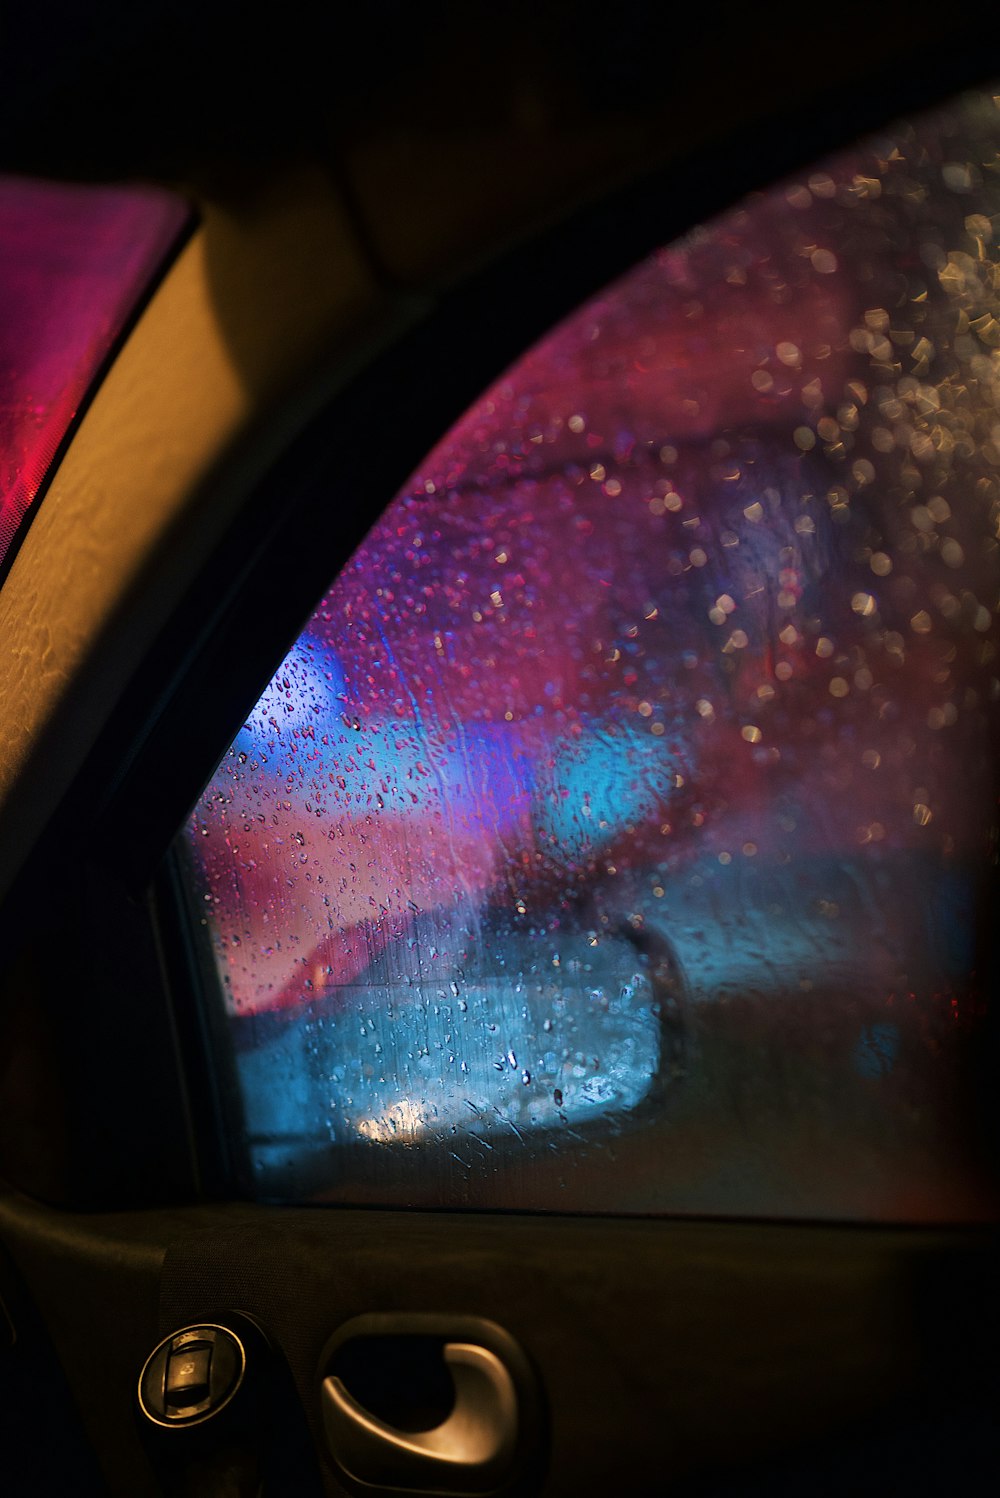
(74, 262)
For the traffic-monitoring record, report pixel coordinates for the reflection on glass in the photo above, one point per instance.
(614, 835)
(74, 262)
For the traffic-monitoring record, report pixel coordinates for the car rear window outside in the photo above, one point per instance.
(617, 836)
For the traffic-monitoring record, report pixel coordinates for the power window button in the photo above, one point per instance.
(188, 1376)
(191, 1375)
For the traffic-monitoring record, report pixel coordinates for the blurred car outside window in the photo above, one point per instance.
(616, 834)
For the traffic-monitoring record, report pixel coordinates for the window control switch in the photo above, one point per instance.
(188, 1376)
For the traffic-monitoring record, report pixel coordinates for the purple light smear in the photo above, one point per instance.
(569, 542)
(683, 640)
(74, 262)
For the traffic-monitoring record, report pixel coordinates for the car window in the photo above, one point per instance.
(616, 835)
(74, 263)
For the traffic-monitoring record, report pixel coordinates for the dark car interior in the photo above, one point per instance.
(380, 216)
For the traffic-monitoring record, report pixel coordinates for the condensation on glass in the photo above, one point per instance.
(74, 262)
(617, 835)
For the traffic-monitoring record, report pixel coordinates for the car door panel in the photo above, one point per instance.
(745, 1347)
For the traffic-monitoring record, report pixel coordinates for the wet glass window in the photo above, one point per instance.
(618, 835)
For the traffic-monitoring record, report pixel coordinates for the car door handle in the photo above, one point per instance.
(469, 1452)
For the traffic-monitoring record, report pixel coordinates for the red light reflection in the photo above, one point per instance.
(74, 262)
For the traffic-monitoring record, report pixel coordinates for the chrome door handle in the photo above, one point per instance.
(471, 1450)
